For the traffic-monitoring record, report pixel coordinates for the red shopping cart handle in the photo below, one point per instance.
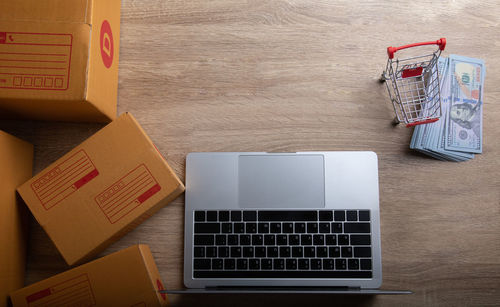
(441, 42)
(427, 121)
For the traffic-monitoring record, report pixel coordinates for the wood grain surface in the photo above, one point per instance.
(301, 75)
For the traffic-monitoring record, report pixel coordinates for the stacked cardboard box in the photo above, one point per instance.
(16, 163)
(59, 59)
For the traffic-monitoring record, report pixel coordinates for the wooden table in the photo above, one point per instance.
(301, 75)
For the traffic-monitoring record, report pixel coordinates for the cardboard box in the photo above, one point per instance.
(125, 278)
(59, 59)
(101, 189)
(16, 166)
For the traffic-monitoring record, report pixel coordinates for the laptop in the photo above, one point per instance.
(305, 222)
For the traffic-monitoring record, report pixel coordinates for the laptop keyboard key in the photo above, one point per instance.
(251, 227)
(279, 264)
(288, 216)
(353, 264)
(232, 239)
(306, 240)
(324, 227)
(312, 227)
(223, 252)
(203, 239)
(272, 252)
(326, 216)
(266, 264)
(360, 240)
(287, 227)
(315, 264)
(199, 252)
(212, 216)
(275, 228)
(269, 240)
(284, 252)
(260, 252)
(220, 239)
(249, 216)
(227, 228)
(339, 215)
(235, 252)
(211, 252)
(309, 251)
(337, 227)
(239, 228)
(303, 264)
(199, 216)
(366, 264)
(257, 239)
(334, 252)
(291, 264)
(245, 240)
(293, 240)
(281, 240)
(242, 264)
(328, 264)
(364, 215)
(263, 227)
(217, 264)
(362, 252)
(206, 228)
(235, 216)
(248, 252)
(343, 239)
(300, 227)
(321, 252)
(331, 240)
(297, 251)
(357, 227)
(223, 216)
(202, 264)
(229, 264)
(346, 251)
(352, 215)
(340, 264)
(319, 240)
(254, 264)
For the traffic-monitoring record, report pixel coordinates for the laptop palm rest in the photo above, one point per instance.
(281, 181)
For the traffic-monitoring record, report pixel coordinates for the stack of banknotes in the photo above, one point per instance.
(458, 134)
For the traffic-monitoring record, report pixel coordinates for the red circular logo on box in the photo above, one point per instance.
(107, 47)
(160, 287)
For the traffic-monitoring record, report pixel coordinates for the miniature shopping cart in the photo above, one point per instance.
(414, 85)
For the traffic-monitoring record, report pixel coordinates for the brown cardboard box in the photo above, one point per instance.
(125, 278)
(59, 59)
(101, 189)
(16, 164)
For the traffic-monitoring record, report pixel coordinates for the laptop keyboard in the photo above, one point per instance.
(282, 244)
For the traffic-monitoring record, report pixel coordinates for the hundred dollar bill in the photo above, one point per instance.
(464, 116)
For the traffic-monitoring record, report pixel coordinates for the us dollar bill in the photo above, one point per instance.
(464, 116)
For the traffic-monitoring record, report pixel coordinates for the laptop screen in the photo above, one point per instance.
(281, 181)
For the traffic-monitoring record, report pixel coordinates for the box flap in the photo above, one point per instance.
(47, 10)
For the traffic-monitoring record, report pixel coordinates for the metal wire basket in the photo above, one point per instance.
(413, 85)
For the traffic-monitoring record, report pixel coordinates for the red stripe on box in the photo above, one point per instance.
(36, 296)
(146, 195)
(85, 179)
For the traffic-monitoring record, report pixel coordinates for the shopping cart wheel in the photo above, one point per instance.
(395, 121)
(382, 78)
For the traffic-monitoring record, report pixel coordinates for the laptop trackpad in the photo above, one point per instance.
(281, 181)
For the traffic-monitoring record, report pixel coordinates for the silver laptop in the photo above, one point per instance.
(278, 220)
